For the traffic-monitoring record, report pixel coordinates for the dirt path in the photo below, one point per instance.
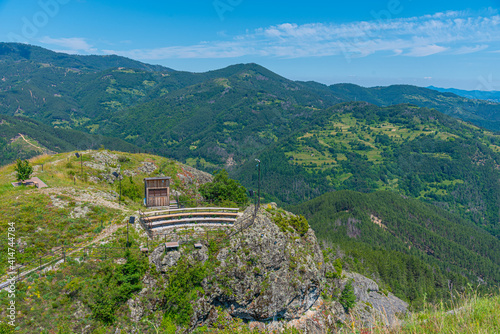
(38, 147)
(107, 232)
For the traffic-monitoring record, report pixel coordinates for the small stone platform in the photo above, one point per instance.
(33, 181)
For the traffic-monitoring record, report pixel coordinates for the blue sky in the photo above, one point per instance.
(442, 43)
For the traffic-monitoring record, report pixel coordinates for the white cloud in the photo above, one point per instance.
(427, 50)
(72, 45)
(470, 49)
(456, 32)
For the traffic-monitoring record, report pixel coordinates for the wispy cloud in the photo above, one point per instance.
(452, 32)
(427, 50)
(70, 45)
(470, 49)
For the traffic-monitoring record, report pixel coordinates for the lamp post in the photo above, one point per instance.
(131, 220)
(81, 163)
(120, 180)
(252, 196)
(258, 191)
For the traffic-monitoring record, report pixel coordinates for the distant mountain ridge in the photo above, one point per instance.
(72, 90)
(19, 52)
(493, 96)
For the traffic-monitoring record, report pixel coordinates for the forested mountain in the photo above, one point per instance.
(310, 137)
(83, 91)
(417, 249)
(417, 152)
(478, 112)
(23, 52)
(24, 138)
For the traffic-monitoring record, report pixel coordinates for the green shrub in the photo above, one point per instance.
(223, 189)
(298, 223)
(348, 298)
(131, 190)
(123, 159)
(183, 284)
(116, 287)
(23, 169)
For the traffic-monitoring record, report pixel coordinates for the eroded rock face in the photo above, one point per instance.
(265, 275)
(268, 274)
(373, 305)
(190, 175)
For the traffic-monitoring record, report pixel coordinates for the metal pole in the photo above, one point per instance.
(258, 202)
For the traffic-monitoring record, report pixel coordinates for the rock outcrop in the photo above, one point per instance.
(266, 273)
(372, 304)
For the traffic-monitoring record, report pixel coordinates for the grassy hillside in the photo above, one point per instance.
(75, 205)
(23, 138)
(416, 249)
(469, 313)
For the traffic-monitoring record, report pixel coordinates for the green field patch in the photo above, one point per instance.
(149, 83)
(439, 155)
(93, 128)
(112, 104)
(133, 91)
(123, 70)
(112, 90)
(222, 82)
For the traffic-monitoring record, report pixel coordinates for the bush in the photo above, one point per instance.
(123, 159)
(131, 190)
(184, 282)
(23, 169)
(223, 189)
(298, 223)
(348, 298)
(116, 287)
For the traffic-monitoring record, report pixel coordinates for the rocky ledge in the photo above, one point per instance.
(272, 278)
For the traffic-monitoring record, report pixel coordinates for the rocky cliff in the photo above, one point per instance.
(271, 276)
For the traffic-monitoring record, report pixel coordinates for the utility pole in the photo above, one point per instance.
(120, 180)
(258, 191)
(81, 163)
(131, 220)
